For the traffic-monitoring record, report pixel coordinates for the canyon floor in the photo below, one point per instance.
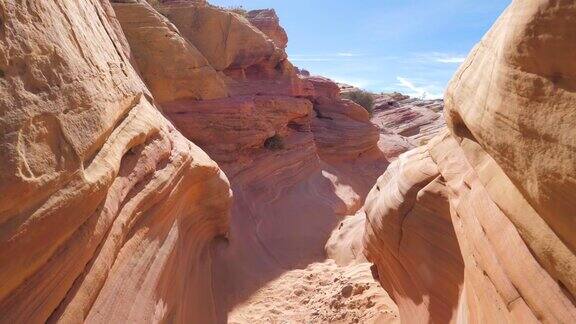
(322, 277)
(320, 293)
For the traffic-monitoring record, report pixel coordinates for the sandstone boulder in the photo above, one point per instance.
(342, 128)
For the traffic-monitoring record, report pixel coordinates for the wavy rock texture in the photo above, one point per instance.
(342, 129)
(299, 158)
(224, 38)
(268, 22)
(106, 210)
(110, 214)
(504, 176)
(414, 120)
(250, 61)
(172, 68)
(527, 101)
(234, 130)
(404, 122)
(409, 236)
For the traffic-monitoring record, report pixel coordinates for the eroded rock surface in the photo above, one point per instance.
(223, 37)
(106, 209)
(268, 22)
(109, 213)
(503, 176)
(410, 237)
(299, 158)
(171, 66)
(403, 122)
(341, 128)
(415, 120)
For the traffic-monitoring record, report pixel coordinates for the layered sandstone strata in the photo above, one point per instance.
(403, 122)
(171, 66)
(478, 225)
(298, 156)
(268, 22)
(414, 120)
(341, 128)
(106, 210)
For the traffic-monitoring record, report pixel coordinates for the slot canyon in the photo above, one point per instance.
(164, 161)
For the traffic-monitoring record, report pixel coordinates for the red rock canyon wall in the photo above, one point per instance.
(478, 225)
(109, 212)
(106, 210)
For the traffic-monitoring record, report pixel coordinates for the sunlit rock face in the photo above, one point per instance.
(172, 67)
(299, 159)
(268, 22)
(522, 113)
(223, 37)
(250, 61)
(414, 120)
(403, 122)
(106, 210)
(109, 212)
(478, 225)
(342, 128)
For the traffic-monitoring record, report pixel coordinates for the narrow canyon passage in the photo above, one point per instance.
(165, 162)
(274, 266)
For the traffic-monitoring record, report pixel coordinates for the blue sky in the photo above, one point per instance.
(411, 46)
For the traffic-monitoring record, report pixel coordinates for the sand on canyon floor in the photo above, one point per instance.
(320, 293)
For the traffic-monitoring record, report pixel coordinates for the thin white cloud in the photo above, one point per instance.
(455, 59)
(426, 92)
(356, 82)
(437, 57)
(312, 59)
(410, 85)
(331, 57)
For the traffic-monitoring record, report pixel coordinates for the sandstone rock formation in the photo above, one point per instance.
(267, 21)
(341, 128)
(410, 237)
(526, 104)
(250, 61)
(408, 122)
(109, 212)
(172, 67)
(225, 39)
(106, 210)
(415, 120)
(478, 225)
(299, 158)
